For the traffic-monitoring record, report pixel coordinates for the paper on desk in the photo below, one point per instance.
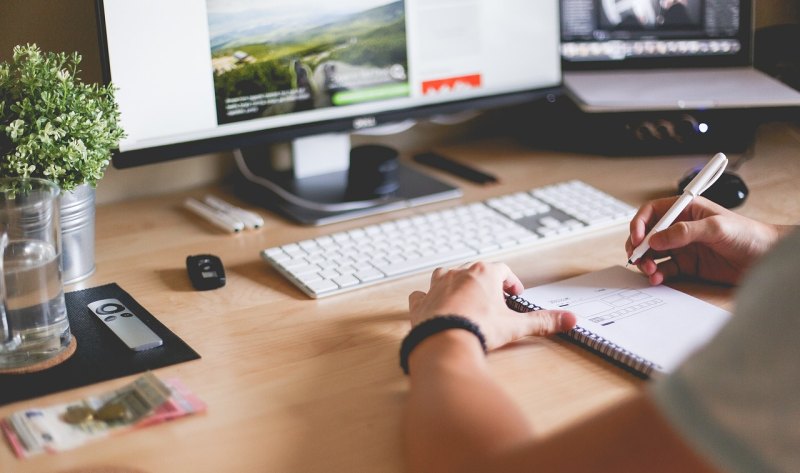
(34, 431)
(657, 323)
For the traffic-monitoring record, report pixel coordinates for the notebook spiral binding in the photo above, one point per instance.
(612, 350)
(520, 304)
(593, 341)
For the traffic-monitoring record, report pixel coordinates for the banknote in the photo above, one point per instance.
(145, 401)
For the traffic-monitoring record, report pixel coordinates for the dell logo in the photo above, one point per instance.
(364, 122)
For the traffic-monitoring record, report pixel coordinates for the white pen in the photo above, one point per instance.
(214, 216)
(702, 181)
(250, 219)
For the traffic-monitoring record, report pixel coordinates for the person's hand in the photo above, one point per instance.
(706, 241)
(476, 291)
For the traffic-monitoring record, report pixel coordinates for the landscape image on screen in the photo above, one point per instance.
(273, 57)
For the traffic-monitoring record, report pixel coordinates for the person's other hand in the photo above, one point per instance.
(476, 291)
(706, 241)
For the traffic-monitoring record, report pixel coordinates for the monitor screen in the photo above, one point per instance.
(619, 33)
(196, 76)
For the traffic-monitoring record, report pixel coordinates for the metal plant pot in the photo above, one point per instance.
(77, 233)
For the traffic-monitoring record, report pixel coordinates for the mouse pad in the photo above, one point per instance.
(100, 354)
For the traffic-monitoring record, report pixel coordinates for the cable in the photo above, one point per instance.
(745, 156)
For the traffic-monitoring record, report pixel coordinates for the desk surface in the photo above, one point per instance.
(294, 384)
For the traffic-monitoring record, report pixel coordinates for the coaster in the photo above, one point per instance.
(48, 363)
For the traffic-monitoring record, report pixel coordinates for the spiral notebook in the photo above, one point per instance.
(647, 329)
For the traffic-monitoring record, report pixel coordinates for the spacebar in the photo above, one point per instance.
(432, 261)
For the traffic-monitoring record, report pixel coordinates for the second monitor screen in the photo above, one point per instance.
(613, 30)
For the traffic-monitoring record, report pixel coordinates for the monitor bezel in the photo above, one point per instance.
(349, 123)
(743, 58)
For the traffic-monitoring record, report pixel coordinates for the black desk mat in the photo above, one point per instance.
(100, 355)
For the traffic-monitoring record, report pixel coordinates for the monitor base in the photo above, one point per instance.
(323, 199)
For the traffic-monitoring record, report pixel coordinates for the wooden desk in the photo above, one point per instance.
(294, 384)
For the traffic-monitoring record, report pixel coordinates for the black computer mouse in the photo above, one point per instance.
(729, 191)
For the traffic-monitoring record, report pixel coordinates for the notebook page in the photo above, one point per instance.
(658, 323)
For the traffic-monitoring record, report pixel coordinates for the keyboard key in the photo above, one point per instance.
(367, 275)
(346, 281)
(322, 286)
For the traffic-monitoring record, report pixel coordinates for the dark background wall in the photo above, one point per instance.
(55, 25)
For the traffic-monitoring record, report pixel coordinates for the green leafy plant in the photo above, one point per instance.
(52, 125)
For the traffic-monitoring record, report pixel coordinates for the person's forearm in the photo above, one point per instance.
(456, 413)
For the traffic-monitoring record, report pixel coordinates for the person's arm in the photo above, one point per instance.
(459, 419)
(632, 436)
(456, 413)
(454, 407)
(707, 241)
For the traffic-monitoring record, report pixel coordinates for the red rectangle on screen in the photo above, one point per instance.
(472, 81)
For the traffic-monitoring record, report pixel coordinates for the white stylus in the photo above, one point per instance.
(702, 181)
(250, 219)
(214, 216)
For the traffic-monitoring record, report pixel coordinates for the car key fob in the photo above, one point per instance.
(205, 272)
(125, 324)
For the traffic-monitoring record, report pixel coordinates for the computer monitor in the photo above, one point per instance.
(199, 76)
(655, 33)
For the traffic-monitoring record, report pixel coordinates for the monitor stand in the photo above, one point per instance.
(268, 176)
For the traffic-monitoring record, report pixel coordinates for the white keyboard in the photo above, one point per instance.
(349, 260)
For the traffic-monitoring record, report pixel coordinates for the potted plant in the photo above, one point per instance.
(54, 126)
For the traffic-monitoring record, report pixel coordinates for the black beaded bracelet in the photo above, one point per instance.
(433, 326)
